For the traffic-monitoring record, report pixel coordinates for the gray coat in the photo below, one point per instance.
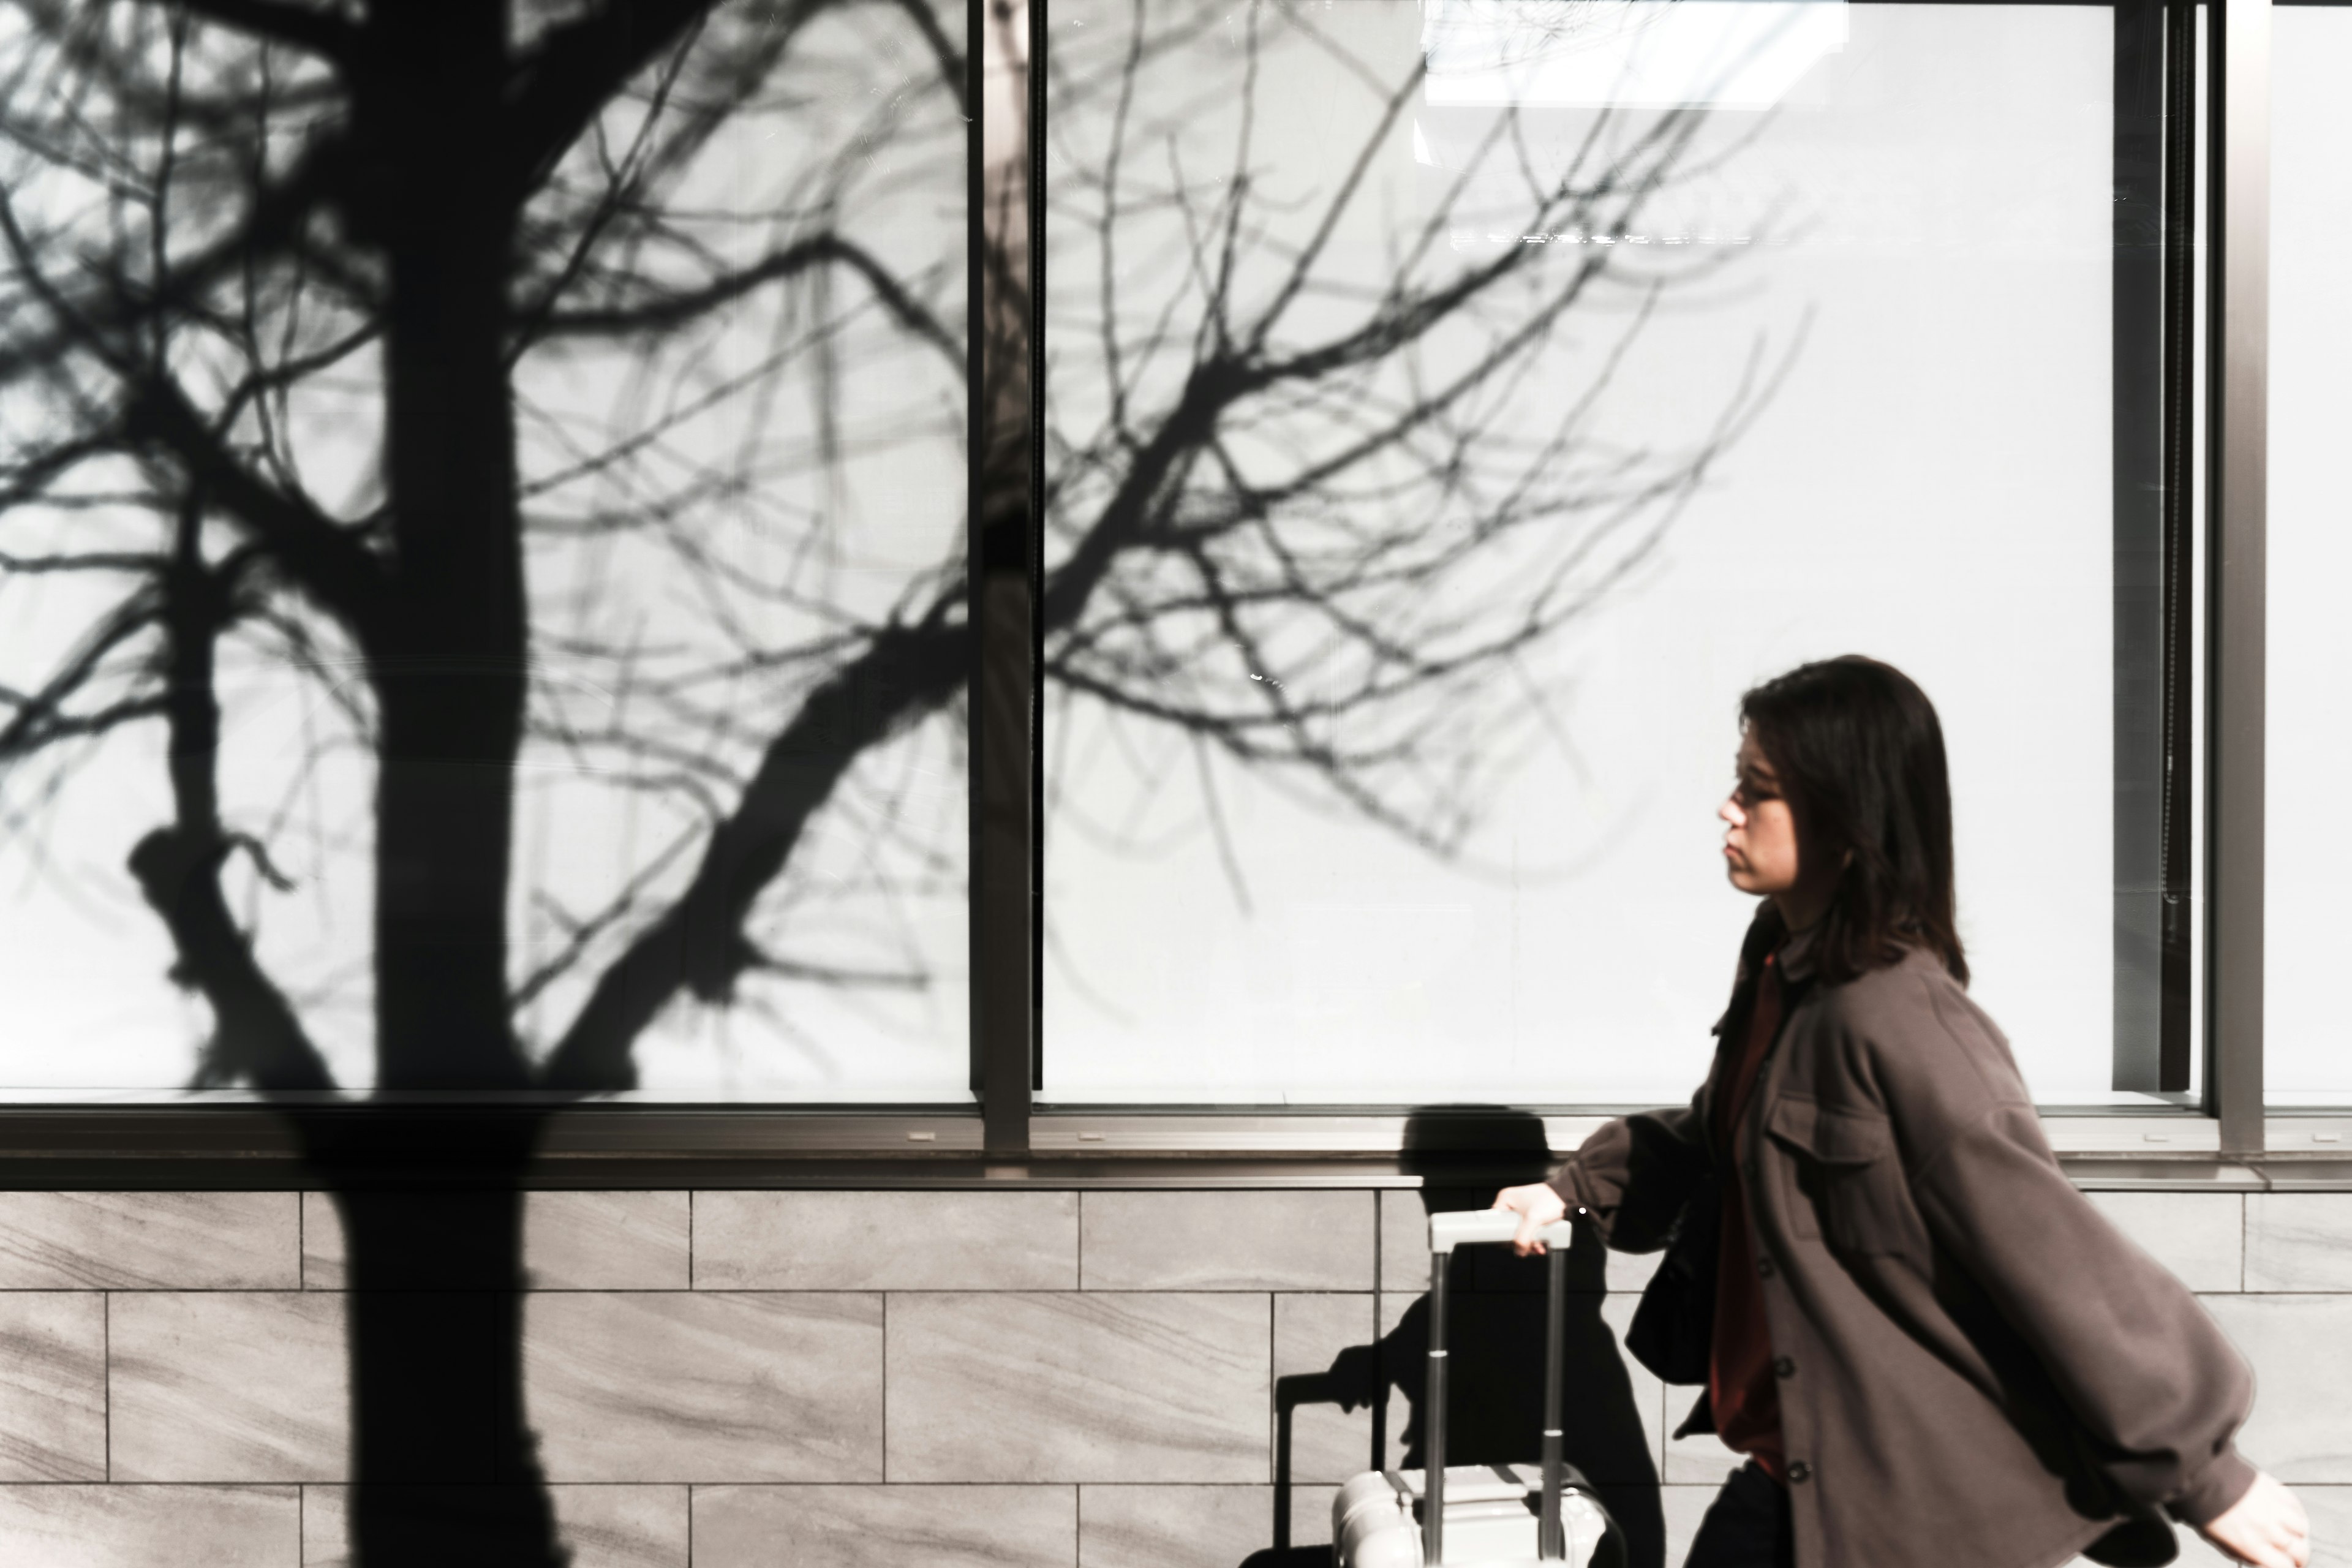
(1976, 1369)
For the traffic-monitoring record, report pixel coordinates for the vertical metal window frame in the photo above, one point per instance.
(2237, 483)
(2150, 333)
(1007, 556)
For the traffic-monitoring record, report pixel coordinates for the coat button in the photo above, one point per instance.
(1764, 1267)
(1783, 1367)
(1799, 1471)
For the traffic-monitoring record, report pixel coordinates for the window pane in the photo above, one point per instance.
(490, 647)
(2305, 925)
(1434, 459)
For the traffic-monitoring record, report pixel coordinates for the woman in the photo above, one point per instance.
(1934, 1351)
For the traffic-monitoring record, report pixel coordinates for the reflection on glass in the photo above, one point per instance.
(1451, 410)
(484, 565)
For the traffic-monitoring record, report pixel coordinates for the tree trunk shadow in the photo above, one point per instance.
(443, 1466)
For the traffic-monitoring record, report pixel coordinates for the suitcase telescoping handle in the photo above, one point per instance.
(1465, 1227)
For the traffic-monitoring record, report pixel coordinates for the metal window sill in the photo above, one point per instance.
(646, 1146)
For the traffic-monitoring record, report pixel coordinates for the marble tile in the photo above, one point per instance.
(883, 1527)
(886, 1241)
(607, 1241)
(1225, 1241)
(1327, 1442)
(2299, 1241)
(1684, 1508)
(571, 1241)
(1310, 1515)
(148, 1527)
(2198, 1235)
(1404, 1242)
(1191, 1527)
(148, 1241)
(2331, 1524)
(1630, 1272)
(228, 1386)
(601, 1527)
(2301, 1350)
(1079, 1387)
(1612, 1406)
(705, 1386)
(52, 1387)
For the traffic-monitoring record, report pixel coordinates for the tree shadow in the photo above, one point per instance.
(444, 1463)
(1495, 1344)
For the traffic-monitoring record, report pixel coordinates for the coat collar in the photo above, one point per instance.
(1799, 952)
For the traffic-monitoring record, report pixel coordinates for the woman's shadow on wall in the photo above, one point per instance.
(1494, 1345)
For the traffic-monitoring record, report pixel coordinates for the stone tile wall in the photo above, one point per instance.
(837, 1380)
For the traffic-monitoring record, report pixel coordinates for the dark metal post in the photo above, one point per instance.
(2138, 331)
(2238, 397)
(1550, 1543)
(2177, 850)
(1004, 559)
(1002, 853)
(1432, 1421)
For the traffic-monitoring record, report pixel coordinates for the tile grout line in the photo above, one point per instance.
(106, 1373)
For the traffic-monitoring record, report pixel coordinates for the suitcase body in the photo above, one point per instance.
(1492, 1517)
(1480, 1516)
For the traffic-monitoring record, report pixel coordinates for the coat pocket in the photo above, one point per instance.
(1849, 1184)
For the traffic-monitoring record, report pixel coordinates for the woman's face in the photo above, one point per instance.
(1760, 838)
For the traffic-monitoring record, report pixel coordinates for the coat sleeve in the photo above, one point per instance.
(2142, 1366)
(1633, 1174)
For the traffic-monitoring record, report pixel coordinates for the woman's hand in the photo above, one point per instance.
(1537, 1205)
(2267, 1526)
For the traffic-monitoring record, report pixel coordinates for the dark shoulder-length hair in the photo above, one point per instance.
(1860, 763)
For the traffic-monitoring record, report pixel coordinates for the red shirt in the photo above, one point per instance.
(1740, 1378)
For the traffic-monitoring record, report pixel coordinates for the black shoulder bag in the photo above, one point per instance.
(1672, 1330)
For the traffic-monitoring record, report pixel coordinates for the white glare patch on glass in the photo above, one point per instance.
(1711, 54)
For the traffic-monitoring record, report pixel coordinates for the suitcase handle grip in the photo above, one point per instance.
(1465, 1227)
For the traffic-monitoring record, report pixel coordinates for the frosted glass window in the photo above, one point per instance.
(621, 752)
(2307, 1060)
(1451, 409)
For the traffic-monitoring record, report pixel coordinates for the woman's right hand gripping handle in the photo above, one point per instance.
(1537, 1205)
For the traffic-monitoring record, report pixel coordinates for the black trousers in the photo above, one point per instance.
(1746, 1525)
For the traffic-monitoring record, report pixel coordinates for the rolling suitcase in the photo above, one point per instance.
(1476, 1516)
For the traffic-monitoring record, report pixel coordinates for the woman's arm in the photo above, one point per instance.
(2140, 1364)
(1630, 1178)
